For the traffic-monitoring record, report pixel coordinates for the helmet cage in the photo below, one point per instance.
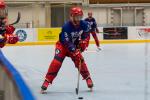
(77, 17)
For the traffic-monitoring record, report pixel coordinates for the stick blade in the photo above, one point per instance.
(43, 92)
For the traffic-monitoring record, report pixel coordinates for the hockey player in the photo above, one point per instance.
(73, 40)
(93, 29)
(6, 31)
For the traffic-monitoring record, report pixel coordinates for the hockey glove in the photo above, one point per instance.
(83, 45)
(9, 29)
(11, 38)
(77, 57)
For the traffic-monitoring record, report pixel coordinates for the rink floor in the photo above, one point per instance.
(119, 72)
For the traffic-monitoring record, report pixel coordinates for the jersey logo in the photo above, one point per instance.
(76, 35)
(66, 36)
(91, 23)
(57, 51)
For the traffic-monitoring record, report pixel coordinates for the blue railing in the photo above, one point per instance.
(16, 78)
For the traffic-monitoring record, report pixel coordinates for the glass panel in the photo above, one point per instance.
(128, 17)
(117, 17)
(139, 17)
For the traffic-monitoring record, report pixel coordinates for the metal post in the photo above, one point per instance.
(135, 11)
(47, 14)
(121, 11)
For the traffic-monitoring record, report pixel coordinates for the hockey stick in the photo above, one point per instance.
(18, 19)
(78, 81)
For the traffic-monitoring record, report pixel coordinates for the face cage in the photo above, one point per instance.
(3, 13)
(77, 18)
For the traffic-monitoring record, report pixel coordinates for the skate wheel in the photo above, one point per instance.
(43, 92)
(91, 89)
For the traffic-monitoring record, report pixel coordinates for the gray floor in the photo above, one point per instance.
(119, 72)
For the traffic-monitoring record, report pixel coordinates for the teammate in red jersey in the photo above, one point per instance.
(73, 40)
(6, 31)
(93, 29)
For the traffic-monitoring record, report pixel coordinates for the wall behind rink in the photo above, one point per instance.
(52, 34)
(28, 16)
(45, 15)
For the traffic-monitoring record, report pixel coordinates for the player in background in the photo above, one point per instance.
(73, 40)
(6, 30)
(93, 29)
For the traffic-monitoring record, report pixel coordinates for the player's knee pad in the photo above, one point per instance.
(84, 70)
(77, 62)
(53, 69)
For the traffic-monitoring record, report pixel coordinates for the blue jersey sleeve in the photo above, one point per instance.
(94, 23)
(86, 28)
(66, 39)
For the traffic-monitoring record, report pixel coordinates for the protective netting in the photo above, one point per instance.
(144, 33)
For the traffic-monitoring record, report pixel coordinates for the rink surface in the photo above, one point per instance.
(118, 72)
